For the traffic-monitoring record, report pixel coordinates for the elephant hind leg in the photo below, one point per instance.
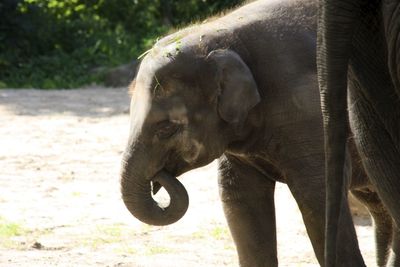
(374, 122)
(395, 255)
(309, 191)
(382, 223)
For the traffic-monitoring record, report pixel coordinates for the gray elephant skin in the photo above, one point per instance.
(242, 88)
(359, 76)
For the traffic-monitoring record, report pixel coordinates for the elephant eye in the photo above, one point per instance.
(166, 129)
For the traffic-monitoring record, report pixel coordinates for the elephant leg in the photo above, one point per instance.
(390, 15)
(378, 149)
(310, 196)
(248, 203)
(382, 223)
(374, 112)
(394, 260)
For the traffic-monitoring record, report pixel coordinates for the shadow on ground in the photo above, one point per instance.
(88, 103)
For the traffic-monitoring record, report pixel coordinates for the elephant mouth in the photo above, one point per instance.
(140, 188)
(138, 196)
(169, 171)
(155, 187)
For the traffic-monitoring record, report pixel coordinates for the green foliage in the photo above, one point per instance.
(60, 43)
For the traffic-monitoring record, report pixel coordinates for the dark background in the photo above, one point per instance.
(70, 43)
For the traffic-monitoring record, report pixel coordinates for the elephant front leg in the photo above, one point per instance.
(248, 202)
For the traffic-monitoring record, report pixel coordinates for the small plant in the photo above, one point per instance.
(107, 234)
(10, 229)
(76, 194)
(125, 250)
(159, 250)
(199, 235)
(220, 232)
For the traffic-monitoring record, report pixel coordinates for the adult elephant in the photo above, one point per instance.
(242, 88)
(358, 46)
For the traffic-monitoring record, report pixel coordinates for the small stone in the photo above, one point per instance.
(37, 245)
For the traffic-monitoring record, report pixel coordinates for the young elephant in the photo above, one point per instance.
(242, 88)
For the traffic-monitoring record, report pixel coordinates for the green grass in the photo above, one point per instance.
(124, 249)
(10, 229)
(108, 234)
(158, 250)
(119, 238)
(76, 194)
(220, 232)
(199, 235)
(15, 235)
(113, 230)
(217, 232)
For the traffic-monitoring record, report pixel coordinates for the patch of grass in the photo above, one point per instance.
(159, 250)
(114, 230)
(115, 236)
(95, 242)
(10, 233)
(67, 176)
(199, 235)
(125, 250)
(10, 229)
(76, 194)
(107, 234)
(144, 228)
(229, 247)
(219, 232)
(3, 85)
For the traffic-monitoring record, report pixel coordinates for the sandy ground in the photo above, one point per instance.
(59, 193)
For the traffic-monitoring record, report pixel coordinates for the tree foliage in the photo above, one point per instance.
(58, 43)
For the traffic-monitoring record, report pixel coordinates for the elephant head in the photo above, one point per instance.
(185, 111)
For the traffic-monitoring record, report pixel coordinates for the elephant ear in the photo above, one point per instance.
(238, 89)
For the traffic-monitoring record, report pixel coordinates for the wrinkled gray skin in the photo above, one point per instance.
(358, 48)
(242, 88)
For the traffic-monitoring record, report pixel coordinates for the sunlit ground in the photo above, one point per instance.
(59, 193)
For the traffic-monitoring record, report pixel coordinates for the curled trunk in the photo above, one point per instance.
(137, 195)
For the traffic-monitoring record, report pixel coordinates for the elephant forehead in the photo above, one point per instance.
(139, 109)
(172, 108)
(178, 113)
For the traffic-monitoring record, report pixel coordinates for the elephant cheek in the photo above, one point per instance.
(192, 152)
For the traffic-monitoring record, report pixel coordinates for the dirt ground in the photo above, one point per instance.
(60, 202)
